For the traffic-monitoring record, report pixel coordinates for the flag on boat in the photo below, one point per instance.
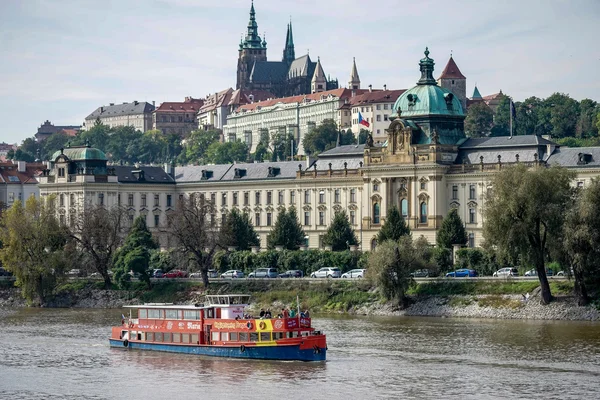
(362, 121)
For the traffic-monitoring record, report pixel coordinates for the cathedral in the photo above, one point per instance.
(289, 77)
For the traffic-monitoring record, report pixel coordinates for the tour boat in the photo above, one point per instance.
(219, 328)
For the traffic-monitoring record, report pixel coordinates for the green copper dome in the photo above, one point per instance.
(81, 153)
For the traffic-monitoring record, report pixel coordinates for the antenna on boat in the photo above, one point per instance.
(298, 303)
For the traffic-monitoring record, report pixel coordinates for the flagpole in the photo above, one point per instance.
(510, 111)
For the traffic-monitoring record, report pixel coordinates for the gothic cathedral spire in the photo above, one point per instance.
(289, 54)
(354, 82)
(318, 83)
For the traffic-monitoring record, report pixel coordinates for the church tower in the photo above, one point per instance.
(318, 82)
(289, 54)
(453, 80)
(251, 49)
(354, 82)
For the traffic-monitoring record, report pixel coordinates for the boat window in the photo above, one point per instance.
(233, 336)
(172, 314)
(243, 336)
(265, 336)
(277, 335)
(224, 336)
(177, 338)
(150, 336)
(210, 313)
(185, 338)
(253, 336)
(153, 314)
(167, 338)
(158, 337)
(290, 334)
(195, 338)
(216, 336)
(191, 314)
(143, 313)
(139, 336)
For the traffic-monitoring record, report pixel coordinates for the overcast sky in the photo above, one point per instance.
(61, 59)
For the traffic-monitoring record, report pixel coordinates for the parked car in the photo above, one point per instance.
(506, 272)
(75, 272)
(461, 273)
(327, 272)
(421, 273)
(158, 273)
(264, 273)
(354, 273)
(292, 273)
(211, 274)
(232, 273)
(533, 272)
(176, 273)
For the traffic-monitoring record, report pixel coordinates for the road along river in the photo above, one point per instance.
(64, 354)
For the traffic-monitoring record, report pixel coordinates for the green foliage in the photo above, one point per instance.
(226, 153)
(479, 121)
(325, 137)
(196, 145)
(525, 212)
(340, 234)
(452, 231)
(394, 226)
(287, 231)
(163, 260)
(238, 231)
(51, 144)
(135, 254)
(502, 118)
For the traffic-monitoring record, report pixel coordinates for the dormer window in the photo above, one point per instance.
(239, 173)
(412, 99)
(449, 97)
(206, 174)
(584, 158)
(274, 171)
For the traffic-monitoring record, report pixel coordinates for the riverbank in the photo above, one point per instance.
(502, 300)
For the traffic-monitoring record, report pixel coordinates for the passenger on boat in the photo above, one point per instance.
(268, 313)
(262, 313)
(306, 314)
(292, 313)
(284, 313)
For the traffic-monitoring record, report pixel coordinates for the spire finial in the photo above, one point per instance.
(450, 53)
(427, 52)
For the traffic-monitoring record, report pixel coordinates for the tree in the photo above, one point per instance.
(237, 231)
(325, 137)
(582, 240)
(98, 136)
(452, 231)
(135, 254)
(479, 121)
(120, 145)
(98, 232)
(502, 118)
(524, 214)
(52, 144)
(340, 234)
(586, 123)
(563, 114)
(192, 225)
(390, 266)
(394, 227)
(196, 145)
(33, 248)
(287, 231)
(226, 153)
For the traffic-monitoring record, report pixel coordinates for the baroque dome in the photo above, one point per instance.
(81, 153)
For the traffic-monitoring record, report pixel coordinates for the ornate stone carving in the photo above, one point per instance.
(307, 207)
(322, 207)
(423, 196)
(454, 205)
(353, 207)
(337, 208)
(472, 204)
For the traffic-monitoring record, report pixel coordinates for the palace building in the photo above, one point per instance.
(425, 167)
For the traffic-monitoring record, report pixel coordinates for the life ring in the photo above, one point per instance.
(249, 325)
(125, 343)
(242, 348)
(262, 325)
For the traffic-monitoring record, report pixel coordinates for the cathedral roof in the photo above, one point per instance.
(451, 71)
(302, 67)
(268, 71)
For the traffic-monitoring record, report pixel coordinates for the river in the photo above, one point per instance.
(64, 354)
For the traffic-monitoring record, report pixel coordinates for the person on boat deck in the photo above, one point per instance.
(306, 314)
(284, 313)
(292, 313)
(268, 313)
(262, 313)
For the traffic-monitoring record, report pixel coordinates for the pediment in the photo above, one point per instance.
(472, 204)
(454, 205)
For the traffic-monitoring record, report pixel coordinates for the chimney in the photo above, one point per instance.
(21, 166)
(111, 104)
(384, 86)
(169, 169)
(370, 88)
(153, 103)
(309, 161)
(101, 109)
(135, 102)
(353, 93)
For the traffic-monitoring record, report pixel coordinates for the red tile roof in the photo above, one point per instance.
(377, 96)
(451, 71)
(8, 169)
(189, 105)
(340, 93)
(493, 96)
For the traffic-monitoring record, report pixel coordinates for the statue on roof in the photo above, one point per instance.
(370, 140)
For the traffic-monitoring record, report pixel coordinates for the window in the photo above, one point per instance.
(269, 219)
(143, 200)
(378, 106)
(62, 219)
(352, 217)
(376, 213)
(472, 192)
(257, 198)
(454, 192)
(321, 217)
(352, 195)
(130, 219)
(246, 198)
(224, 198)
(293, 197)
(378, 118)
(269, 197)
(307, 197)
(191, 314)
(423, 213)
(322, 196)
(336, 196)
(423, 185)
(213, 198)
(376, 187)
(62, 200)
(130, 200)
(233, 336)
(385, 106)
(169, 200)
(223, 218)
(471, 240)
(280, 197)
(386, 117)
(580, 185)
(306, 217)
(404, 207)
(257, 219)
(100, 199)
(235, 198)
(61, 172)
(472, 216)
(72, 200)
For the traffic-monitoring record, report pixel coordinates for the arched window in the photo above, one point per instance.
(404, 207)
(376, 213)
(423, 213)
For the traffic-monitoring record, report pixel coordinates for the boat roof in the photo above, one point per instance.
(211, 301)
